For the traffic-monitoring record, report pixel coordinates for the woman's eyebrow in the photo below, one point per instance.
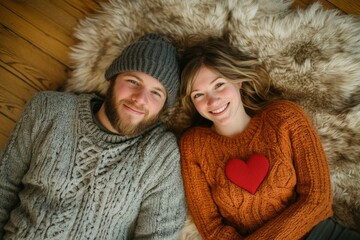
(210, 83)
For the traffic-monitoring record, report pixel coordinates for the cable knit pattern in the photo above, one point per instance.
(64, 178)
(294, 196)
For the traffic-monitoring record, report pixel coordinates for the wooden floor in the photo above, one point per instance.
(34, 44)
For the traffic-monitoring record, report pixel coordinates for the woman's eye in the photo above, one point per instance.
(219, 84)
(197, 95)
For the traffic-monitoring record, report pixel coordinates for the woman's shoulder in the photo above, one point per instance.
(284, 110)
(283, 105)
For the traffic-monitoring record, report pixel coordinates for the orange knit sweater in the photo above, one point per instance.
(294, 196)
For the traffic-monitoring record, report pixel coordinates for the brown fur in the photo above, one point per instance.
(312, 55)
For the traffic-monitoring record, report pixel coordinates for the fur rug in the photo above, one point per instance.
(313, 57)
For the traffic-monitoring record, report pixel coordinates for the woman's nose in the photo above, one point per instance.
(211, 99)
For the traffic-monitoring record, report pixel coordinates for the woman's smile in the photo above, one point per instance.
(220, 110)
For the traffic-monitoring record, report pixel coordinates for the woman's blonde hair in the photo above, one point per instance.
(231, 64)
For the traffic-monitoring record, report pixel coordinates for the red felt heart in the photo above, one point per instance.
(250, 174)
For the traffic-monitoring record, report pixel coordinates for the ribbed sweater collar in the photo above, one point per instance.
(242, 138)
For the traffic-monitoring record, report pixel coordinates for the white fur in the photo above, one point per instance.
(313, 57)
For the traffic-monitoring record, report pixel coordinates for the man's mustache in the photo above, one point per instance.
(133, 105)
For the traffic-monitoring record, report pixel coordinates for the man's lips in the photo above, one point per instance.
(133, 109)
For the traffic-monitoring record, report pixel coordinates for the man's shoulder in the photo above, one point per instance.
(58, 98)
(49, 95)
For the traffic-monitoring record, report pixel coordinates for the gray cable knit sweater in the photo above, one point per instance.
(62, 177)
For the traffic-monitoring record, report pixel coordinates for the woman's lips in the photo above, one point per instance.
(220, 110)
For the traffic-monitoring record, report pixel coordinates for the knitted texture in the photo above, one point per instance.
(152, 55)
(64, 178)
(294, 196)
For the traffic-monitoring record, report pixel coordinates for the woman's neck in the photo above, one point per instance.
(235, 127)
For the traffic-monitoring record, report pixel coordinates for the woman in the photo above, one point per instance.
(255, 167)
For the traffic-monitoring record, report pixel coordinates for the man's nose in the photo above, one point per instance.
(140, 97)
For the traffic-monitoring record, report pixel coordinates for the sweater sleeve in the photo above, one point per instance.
(15, 159)
(314, 198)
(163, 209)
(201, 205)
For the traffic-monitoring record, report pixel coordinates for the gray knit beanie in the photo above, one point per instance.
(153, 55)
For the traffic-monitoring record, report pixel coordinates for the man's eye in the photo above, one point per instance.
(157, 94)
(132, 82)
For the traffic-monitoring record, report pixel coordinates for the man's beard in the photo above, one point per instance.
(123, 127)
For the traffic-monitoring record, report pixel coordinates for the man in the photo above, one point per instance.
(78, 167)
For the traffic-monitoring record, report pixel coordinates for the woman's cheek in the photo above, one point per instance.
(199, 107)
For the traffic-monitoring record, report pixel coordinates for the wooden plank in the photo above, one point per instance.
(15, 85)
(29, 63)
(306, 3)
(52, 9)
(10, 105)
(33, 35)
(7, 126)
(348, 6)
(79, 9)
(33, 13)
(87, 7)
(13, 95)
(70, 9)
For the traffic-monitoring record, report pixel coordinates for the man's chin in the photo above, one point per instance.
(131, 129)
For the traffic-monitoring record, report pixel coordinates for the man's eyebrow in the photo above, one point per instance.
(131, 75)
